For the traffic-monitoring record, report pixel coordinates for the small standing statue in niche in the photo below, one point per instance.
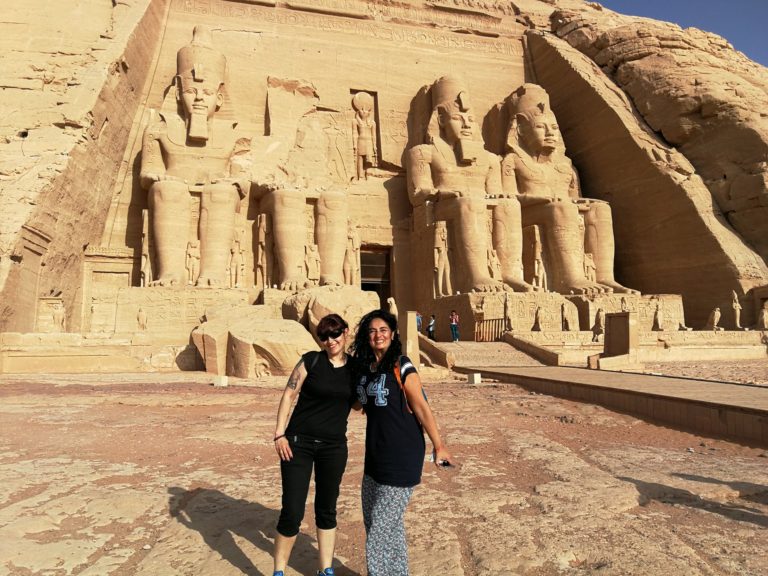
(713, 321)
(624, 305)
(363, 133)
(565, 324)
(442, 261)
(736, 310)
(59, 317)
(193, 261)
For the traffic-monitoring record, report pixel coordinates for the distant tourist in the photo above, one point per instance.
(453, 320)
(431, 327)
(418, 321)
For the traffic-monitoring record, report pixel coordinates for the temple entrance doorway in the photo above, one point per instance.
(374, 271)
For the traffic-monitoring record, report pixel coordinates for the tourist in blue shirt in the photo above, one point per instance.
(394, 439)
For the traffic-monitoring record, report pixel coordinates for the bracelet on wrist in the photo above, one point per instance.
(276, 438)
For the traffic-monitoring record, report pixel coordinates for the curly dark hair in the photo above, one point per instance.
(361, 348)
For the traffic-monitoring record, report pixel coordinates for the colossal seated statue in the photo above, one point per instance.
(190, 152)
(537, 170)
(455, 172)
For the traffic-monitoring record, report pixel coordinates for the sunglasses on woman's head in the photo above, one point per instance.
(332, 335)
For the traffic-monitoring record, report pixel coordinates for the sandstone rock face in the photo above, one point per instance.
(342, 152)
(67, 111)
(699, 94)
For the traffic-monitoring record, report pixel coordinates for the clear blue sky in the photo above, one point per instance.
(744, 23)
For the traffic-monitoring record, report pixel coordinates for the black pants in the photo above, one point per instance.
(329, 460)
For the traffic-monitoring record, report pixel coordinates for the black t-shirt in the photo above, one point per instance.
(325, 399)
(394, 439)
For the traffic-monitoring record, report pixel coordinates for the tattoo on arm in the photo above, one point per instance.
(293, 380)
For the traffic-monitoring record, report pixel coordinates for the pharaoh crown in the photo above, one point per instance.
(449, 89)
(528, 98)
(199, 59)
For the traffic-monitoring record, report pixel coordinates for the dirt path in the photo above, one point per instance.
(166, 475)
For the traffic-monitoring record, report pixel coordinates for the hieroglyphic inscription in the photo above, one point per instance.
(437, 15)
(396, 126)
(367, 29)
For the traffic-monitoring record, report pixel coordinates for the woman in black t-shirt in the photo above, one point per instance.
(394, 439)
(315, 437)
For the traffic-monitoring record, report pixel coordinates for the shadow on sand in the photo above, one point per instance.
(219, 518)
(732, 510)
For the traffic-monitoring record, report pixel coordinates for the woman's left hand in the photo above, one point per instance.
(443, 458)
(283, 448)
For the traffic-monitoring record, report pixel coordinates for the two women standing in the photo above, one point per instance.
(388, 388)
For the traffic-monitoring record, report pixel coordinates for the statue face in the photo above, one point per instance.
(200, 98)
(539, 133)
(456, 125)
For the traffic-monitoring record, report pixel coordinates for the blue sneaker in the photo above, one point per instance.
(326, 572)
(278, 573)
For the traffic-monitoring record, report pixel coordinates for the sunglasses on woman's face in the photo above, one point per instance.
(332, 335)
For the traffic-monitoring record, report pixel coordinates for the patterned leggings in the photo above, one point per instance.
(386, 549)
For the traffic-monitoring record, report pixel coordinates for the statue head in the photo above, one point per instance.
(362, 102)
(450, 100)
(532, 125)
(200, 75)
(453, 116)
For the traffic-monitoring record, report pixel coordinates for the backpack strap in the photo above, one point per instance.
(313, 361)
(399, 379)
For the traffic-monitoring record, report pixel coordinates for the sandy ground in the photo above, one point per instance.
(167, 475)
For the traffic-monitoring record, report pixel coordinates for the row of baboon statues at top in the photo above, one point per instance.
(481, 202)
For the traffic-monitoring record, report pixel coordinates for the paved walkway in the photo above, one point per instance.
(694, 390)
(718, 409)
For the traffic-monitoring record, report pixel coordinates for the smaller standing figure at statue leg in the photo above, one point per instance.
(364, 133)
(736, 310)
(193, 261)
